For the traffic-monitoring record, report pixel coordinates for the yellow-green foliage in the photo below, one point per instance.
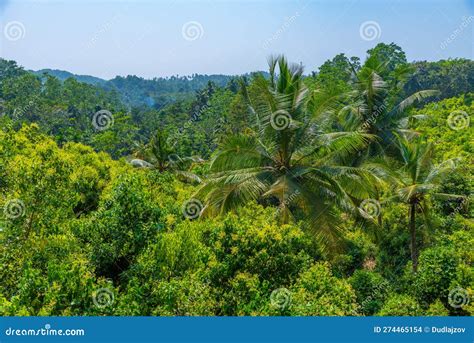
(90, 223)
(450, 143)
(45, 269)
(318, 293)
(401, 305)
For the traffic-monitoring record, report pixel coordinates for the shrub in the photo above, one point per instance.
(401, 305)
(55, 279)
(123, 225)
(179, 296)
(247, 296)
(318, 293)
(359, 248)
(437, 309)
(252, 242)
(437, 269)
(371, 290)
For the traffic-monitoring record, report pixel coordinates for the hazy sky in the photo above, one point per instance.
(162, 38)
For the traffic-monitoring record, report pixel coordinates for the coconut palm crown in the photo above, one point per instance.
(376, 106)
(287, 158)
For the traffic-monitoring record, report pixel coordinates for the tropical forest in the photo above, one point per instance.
(340, 191)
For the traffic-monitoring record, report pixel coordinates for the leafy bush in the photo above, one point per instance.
(125, 221)
(55, 279)
(251, 241)
(436, 309)
(436, 272)
(371, 290)
(178, 296)
(318, 293)
(401, 305)
(359, 249)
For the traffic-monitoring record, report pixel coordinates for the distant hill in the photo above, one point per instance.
(156, 92)
(137, 91)
(63, 75)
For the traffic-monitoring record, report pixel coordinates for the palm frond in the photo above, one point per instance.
(412, 99)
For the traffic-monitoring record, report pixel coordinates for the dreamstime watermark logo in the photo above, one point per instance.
(458, 297)
(280, 120)
(463, 205)
(464, 24)
(14, 209)
(287, 202)
(280, 298)
(46, 331)
(285, 26)
(21, 111)
(370, 30)
(174, 136)
(378, 292)
(458, 120)
(369, 208)
(14, 30)
(192, 208)
(192, 30)
(372, 119)
(102, 120)
(104, 28)
(103, 297)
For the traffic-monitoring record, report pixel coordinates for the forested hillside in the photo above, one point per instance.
(63, 75)
(136, 91)
(340, 191)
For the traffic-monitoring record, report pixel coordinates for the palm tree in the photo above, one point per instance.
(161, 155)
(286, 158)
(376, 106)
(414, 180)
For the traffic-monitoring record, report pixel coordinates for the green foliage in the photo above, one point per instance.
(158, 92)
(436, 309)
(401, 305)
(84, 233)
(50, 276)
(251, 242)
(335, 74)
(452, 77)
(183, 296)
(414, 180)
(435, 127)
(371, 290)
(124, 222)
(359, 249)
(287, 159)
(437, 270)
(318, 293)
(394, 245)
(442, 270)
(376, 105)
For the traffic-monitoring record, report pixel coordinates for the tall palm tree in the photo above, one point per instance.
(376, 106)
(286, 158)
(414, 180)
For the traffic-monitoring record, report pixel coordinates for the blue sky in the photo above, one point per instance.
(163, 38)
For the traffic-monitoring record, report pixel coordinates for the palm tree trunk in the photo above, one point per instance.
(414, 250)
